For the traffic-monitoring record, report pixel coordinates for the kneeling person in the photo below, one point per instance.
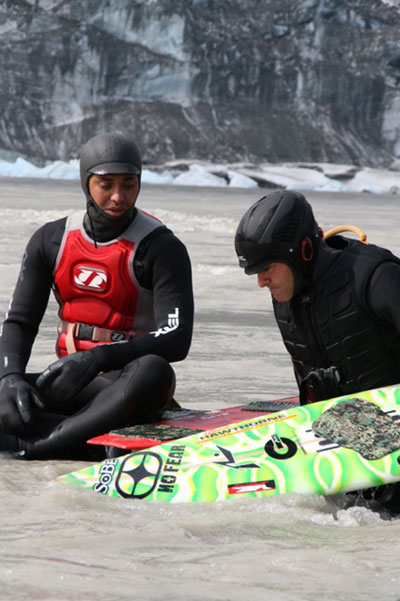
(335, 302)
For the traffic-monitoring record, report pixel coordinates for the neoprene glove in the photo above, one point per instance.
(65, 378)
(17, 399)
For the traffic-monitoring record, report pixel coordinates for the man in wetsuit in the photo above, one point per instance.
(336, 301)
(123, 284)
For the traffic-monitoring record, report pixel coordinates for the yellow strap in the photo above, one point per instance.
(347, 228)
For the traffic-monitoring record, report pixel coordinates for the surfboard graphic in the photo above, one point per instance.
(339, 445)
(182, 422)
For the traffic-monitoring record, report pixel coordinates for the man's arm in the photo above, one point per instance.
(167, 270)
(30, 298)
(28, 304)
(384, 293)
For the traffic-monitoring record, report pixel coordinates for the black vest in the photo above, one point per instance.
(338, 346)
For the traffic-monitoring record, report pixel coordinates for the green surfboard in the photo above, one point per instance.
(339, 445)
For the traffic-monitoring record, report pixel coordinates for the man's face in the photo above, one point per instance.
(278, 277)
(114, 194)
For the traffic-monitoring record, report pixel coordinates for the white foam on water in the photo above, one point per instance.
(184, 222)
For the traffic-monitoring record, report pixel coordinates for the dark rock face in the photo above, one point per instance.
(254, 80)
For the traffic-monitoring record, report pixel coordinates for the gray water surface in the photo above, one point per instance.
(58, 543)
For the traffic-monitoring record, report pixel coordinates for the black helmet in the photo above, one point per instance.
(279, 227)
(106, 154)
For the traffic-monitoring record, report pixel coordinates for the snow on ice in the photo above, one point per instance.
(325, 177)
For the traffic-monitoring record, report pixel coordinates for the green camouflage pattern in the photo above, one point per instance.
(359, 425)
(268, 405)
(155, 431)
(271, 454)
(163, 432)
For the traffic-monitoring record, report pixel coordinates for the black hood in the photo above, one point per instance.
(104, 154)
(101, 227)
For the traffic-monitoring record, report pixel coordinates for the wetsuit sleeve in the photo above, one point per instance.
(167, 271)
(384, 293)
(30, 298)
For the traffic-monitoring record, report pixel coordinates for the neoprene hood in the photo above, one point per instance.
(106, 154)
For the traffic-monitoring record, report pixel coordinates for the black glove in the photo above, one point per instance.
(17, 399)
(65, 378)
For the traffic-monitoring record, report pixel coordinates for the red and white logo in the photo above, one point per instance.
(90, 278)
(246, 487)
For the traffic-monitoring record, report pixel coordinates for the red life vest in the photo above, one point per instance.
(99, 297)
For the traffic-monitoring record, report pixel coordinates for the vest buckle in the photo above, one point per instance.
(82, 331)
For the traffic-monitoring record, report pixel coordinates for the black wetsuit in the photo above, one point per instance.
(139, 380)
(343, 333)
